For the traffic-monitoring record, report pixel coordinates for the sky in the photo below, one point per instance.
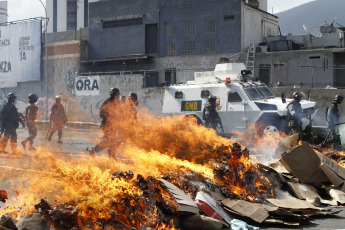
(24, 9)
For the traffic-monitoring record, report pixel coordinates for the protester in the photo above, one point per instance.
(10, 119)
(58, 119)
(31, 116)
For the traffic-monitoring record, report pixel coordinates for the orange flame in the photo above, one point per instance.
(154, 146)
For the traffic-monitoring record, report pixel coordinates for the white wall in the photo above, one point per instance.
(256, 25)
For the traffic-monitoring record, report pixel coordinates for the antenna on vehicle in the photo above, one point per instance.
(312, 31)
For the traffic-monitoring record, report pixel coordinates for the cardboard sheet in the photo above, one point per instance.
(254, 211)
(184, 201)
(303, 163)
(292, 204)
(302, 191)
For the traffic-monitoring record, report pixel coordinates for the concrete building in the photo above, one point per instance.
(154, 36)
(67, 15)
(3, 11)
(314, 61)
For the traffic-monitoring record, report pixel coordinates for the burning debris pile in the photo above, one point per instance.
(174, 171)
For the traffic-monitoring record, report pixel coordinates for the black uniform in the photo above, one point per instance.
(295, 115)
(10, 119)
(210, 116)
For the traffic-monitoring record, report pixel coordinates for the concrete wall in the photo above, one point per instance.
(312, 68)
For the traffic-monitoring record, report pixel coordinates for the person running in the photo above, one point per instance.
(106, 113)
(31, 116)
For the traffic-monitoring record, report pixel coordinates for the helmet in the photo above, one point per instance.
(338, 97)
(114, 91)
(297, 94)
(134, 96)
(32, 98)
(58, 98)
(212, 98)
(11, 96)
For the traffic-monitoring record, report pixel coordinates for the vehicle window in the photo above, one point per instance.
(234, 97)
(265, 92)
(252, 93)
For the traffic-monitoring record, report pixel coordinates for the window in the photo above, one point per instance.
(190, 28)
(228, 18)
(170, 30)
(234, 97)
(171, 49)
(189, 47)
(123, 22)
(252, 93)
(86, 13)
(210, 26)
(71, 14)
(209, 46)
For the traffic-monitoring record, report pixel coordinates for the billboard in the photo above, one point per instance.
(20, 52)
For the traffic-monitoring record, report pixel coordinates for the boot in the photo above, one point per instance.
(31, 148)
(24, 144)
(14, 149)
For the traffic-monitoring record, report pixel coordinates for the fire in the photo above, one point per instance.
(107, 191)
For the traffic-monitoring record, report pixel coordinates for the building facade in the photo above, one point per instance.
(154, 36)
(3, 11)
(67, 15)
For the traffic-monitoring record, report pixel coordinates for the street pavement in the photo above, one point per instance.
(75, 142)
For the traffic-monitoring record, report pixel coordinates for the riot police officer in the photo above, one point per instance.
(332, 118)
(10, 119)
(31, 116)
(210, 114)
(295, 113)
(58, 119)
(107, 110)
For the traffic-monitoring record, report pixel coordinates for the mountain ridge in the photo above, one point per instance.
(315, 13)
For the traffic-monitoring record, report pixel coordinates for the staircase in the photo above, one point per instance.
(251, 59)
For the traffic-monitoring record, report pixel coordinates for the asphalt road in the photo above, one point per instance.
(76, 141)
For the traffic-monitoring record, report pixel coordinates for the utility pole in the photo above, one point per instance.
(45, 75)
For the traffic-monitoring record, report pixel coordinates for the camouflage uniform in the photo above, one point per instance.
(295, 115)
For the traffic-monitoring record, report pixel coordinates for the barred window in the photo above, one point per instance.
(190, 28)
(210, 26)
(170, 30)
(209, 46)
(171, 49)
(123, 22)
(189, 47)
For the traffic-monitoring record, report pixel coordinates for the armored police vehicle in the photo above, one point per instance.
(240, 102)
